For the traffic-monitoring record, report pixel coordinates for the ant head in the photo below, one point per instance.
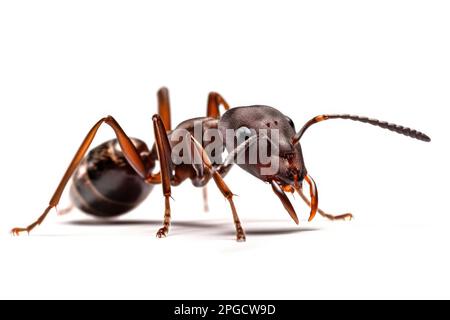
(263, 138)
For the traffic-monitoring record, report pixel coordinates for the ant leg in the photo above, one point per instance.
(222, 170)
(154, 178)
(164, 107)
(127, 147)
(240, 235)
(164, 155)
(164, 113)
(214, 102)
(203, 177)
(205, 198)
(346, 216)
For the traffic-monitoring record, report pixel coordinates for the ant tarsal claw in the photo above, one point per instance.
(17, 231)
(345, 217)
(162, 233)
(240, 237)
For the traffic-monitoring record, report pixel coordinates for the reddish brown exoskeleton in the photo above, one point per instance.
(119, 174)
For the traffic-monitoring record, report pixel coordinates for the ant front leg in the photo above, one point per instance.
(276, 188)
(215, 100)
(129, 150)
(345, 216)
(224, 189)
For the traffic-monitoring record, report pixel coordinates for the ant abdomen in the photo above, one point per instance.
(105, 185)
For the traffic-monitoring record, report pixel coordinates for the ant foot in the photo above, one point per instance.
(17, 231)
(345, 217)
(162, 233)
(240, 237)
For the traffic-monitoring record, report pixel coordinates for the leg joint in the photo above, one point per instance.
(228, 194)
(108, 119)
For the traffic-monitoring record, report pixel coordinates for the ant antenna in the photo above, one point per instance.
(383, 124)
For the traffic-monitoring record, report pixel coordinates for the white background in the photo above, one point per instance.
(63, 65)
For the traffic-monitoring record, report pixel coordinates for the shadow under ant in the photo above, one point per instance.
(254, 231)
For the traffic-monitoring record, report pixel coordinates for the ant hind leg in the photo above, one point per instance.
(129, 150)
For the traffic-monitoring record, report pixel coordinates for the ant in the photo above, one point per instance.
(118, 175)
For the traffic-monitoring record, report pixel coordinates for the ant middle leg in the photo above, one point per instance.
(164, 151)
(164, 107)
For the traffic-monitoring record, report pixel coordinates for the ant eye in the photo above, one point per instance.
(243, 133)
(291, 123)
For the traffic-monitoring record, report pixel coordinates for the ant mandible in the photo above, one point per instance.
(118, 175)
